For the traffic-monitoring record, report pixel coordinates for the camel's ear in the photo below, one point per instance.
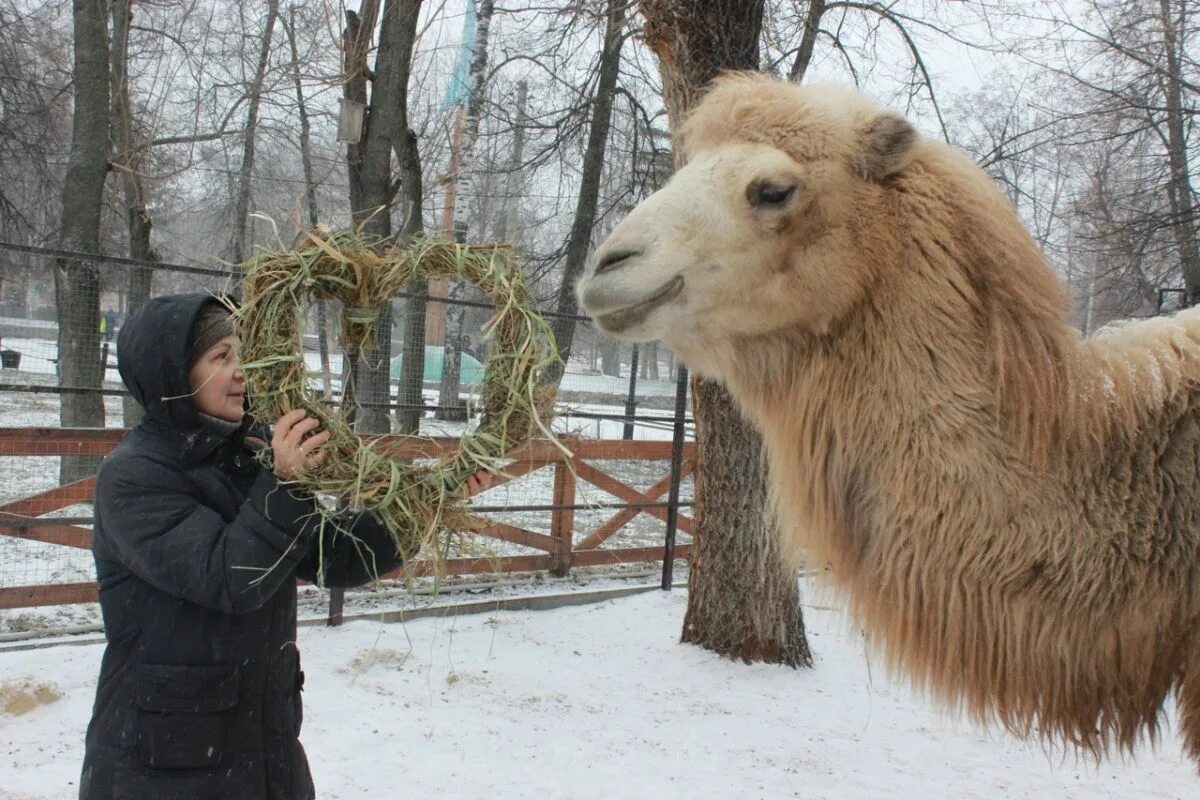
(887, 144)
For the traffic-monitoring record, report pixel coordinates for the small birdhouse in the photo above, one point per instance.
(350, 120)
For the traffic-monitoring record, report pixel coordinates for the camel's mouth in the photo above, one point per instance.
(621, 319)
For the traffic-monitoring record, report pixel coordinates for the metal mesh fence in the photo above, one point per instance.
(609, 391)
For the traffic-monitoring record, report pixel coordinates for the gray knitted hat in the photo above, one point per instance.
(212, 324)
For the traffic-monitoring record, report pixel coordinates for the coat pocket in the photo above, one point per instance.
(183, 714)
(284, 711)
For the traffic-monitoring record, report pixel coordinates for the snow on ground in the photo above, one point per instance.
(602, 702)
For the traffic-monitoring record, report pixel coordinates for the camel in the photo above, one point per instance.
(1010, 509)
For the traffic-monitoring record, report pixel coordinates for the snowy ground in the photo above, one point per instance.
(600, 702)
(585, 702)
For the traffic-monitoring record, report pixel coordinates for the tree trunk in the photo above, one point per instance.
(310, 193)
(77, 284)
(411, 397)
(610, 358)
(742, 603)
(1179, 188)
(371, 189)
(512, 179)
(450, 404)
(579, 242)
(128, 159)
(812, 24)
(238, 246)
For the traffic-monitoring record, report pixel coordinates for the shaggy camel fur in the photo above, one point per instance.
(1011, 509)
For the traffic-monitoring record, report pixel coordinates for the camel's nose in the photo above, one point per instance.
(614, 258)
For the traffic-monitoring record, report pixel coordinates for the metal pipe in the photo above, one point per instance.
(681, 390)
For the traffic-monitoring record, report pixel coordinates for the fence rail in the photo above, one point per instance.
(563, 547)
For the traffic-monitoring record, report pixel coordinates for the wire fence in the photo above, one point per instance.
(610, 391)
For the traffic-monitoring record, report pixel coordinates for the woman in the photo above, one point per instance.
(197, 551)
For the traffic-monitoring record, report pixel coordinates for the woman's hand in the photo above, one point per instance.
(481, 481)
(294, 445)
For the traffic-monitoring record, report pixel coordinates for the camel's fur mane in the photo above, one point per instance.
(1011, 509)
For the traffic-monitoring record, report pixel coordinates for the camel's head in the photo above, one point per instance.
(765, 228)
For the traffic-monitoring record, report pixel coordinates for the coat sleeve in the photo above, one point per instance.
(154, 526)
(351, 550)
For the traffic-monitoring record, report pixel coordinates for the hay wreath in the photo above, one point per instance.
(415, 502)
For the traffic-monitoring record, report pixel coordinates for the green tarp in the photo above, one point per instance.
(470, 373)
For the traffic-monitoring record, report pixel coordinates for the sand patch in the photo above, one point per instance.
(23, 695)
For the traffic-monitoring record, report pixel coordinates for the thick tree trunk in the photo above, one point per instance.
(239, 246)
(579, 242)
(371, 189)
(128, 160)
(742, 603)
(77, 284)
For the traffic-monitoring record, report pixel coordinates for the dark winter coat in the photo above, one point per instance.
(197, 552)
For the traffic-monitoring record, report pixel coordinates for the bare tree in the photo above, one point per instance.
(127, 161)
(77, 283)
(580, 242)
(310, 192)
(237, 247)
(450, 404)
(742, 601)
(372, 190)
(1124, 81)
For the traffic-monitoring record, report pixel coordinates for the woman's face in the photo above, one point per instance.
(217, 381)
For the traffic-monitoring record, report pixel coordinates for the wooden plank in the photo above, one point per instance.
(510, 533)
(99, 441)
(414, 447)
(562, 520)
(517, 470)
(66, 535)
(59, 441)
(475, 566)
(626, 493)
(603, 532)
(625, 450)
(80, 491)
(58, 594)
(507, 564)
(537, 449)
(628, 555)
(65, 593)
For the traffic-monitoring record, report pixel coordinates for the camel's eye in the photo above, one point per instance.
(770, 194)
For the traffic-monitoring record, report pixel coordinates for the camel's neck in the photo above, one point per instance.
(934, 436)
(852, 441)
(1025, 584)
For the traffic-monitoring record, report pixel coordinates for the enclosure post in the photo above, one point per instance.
(562, 524)
(681, 390)
(337, 594)
(631, 401)
(337, 601)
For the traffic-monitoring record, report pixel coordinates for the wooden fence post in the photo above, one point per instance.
(562, 523)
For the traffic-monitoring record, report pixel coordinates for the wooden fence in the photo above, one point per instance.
(562, 548)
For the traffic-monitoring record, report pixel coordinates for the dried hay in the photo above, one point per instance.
(416, 503)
